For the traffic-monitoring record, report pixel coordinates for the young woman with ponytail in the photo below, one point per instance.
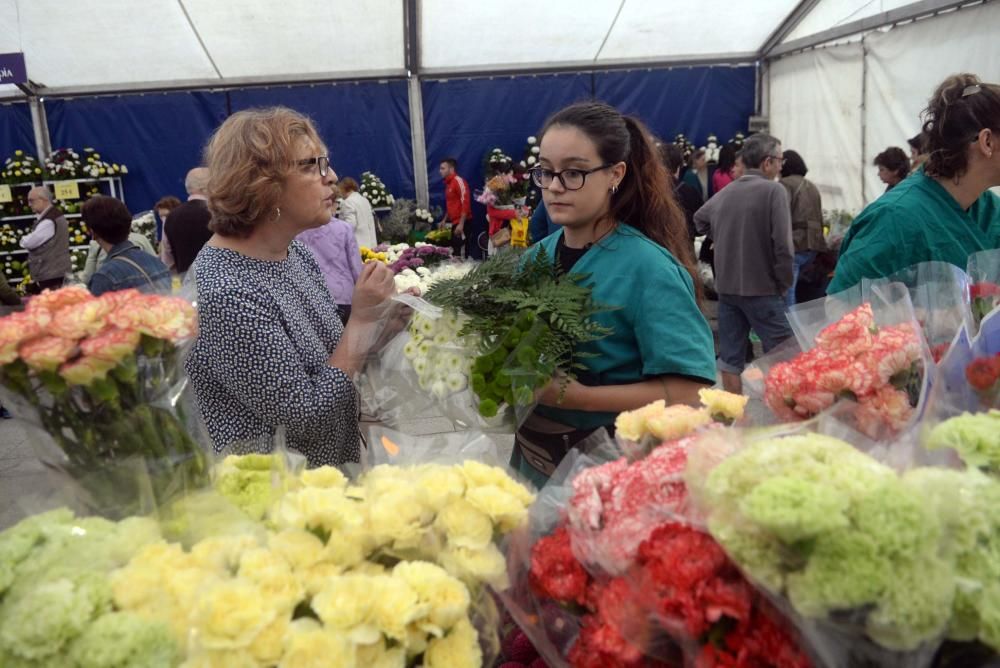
(604, 184)
(943, 211)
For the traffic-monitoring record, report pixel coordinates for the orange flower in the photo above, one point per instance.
(79, 320)
(48, 352)
(17, 328)
(85, 370)
(119, 298)
(888, 408)
(170, 318)
(852, 334)
(54, 300)
(112, 345)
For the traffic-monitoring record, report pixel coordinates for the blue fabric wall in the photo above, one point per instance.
(466, 118)
(158, 136)
(696, 101)
(16, 130)
(366, 125)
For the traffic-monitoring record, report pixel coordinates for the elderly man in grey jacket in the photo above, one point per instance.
(751, 226)
(48, 242)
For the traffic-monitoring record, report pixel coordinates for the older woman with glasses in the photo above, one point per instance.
(271, 350)
(944, 210)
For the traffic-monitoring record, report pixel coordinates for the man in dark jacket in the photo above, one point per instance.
(186, 229)
(47, 243)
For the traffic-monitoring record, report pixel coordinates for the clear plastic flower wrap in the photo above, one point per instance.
(867, 348)
(100, 382)
(874, 566)
(940, 294)
(610, 573)
(984, 272)
(432, 369)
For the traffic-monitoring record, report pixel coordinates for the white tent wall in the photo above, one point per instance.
(906, 63)
(840, 106)
(815, 109)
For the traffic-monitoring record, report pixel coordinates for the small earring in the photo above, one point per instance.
(277, 217)
(614, 189)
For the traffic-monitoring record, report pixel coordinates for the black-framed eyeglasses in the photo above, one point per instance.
(322, 163)
(571, 179)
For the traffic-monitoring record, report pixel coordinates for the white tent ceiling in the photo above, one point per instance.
(120, 45)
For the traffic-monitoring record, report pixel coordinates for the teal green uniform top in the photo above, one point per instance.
(657, 326)
(917, 221)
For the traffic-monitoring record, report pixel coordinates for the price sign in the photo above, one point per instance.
(5, 195)
(67, 190)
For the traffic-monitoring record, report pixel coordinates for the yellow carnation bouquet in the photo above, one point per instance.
(101, 376)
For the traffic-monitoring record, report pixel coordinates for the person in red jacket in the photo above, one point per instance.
(458, 203)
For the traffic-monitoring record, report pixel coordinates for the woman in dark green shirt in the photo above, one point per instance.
(603, 183)
(944, 210)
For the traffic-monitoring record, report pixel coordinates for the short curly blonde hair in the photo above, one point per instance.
(249, 158)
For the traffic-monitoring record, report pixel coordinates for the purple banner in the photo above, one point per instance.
(12, 70)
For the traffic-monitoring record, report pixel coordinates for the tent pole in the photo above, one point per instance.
(418, 138)
(864, 117)
(40, 124)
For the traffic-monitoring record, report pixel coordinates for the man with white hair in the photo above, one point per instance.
(186, 230)
(47, 243)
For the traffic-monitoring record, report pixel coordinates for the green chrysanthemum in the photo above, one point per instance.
(123, 640)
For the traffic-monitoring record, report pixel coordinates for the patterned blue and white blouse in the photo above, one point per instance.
(267, 329)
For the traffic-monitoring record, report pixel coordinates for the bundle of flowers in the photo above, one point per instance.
(974, 436)
(441, 237)
(497, 162)
(874, 564)
(522, 170)
(14, 269)
(56, 602)
(985, 298)
(652, 587)
(420, 255)
(498, 191)
(78, 257)
(375, 191)
(983, 374)
(64, 164)
(879, 368)
(9, 238)
(95, 167)
(98, 374)
(422, 278)
(21, 168)
(370, 255)
(529, 321)
(145, 224)
(422, 218)
(439, 353)
(78, 234)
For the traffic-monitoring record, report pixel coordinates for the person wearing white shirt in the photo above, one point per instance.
(47, 243)
(357, 212)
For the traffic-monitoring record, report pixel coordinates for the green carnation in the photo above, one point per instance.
(488, 408)
(123, 640)
(844, 571)
(39, 623)
(916, 605)
(898, 520)
(974, 436)
(795, 509)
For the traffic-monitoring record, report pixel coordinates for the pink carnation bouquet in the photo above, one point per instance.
(102, 377)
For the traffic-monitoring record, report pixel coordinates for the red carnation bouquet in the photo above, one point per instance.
(102, 378)
(621, 580)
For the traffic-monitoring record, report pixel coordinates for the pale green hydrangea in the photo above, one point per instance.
(123, 640)
(974, 436)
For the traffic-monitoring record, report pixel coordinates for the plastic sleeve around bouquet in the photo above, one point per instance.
(101, 382)
(431, 369)
(865, 346)
(870, 564)
(939, 292)
(984, 271)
